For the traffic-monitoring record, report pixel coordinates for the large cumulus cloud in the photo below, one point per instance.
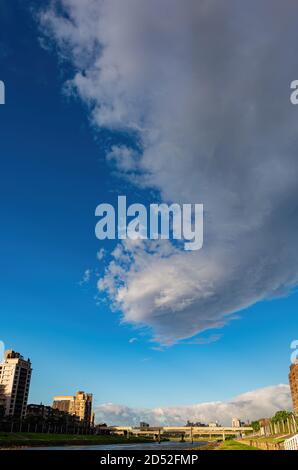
(204, 87)
(252, 405)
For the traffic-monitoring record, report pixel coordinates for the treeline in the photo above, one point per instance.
(283, 422)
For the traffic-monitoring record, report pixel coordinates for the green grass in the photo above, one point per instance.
(43, 439)
(234, 445)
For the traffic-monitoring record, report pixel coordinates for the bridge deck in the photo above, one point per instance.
(183, 429)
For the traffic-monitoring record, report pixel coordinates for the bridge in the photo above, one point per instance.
(183, 431)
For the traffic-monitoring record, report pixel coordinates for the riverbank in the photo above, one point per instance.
(267, 443)
(113, 444)
(231, 444)
(15, 440)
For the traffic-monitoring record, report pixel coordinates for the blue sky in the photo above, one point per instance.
(53, 175)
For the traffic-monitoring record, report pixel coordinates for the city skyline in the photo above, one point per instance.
(80, 405)
(56, 305)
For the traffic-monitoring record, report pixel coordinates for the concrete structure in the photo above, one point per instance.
(292, 443)
(15, 376)
(184, 431)
(83, 407)
(236, 423)
(79, 405)
(293, 379)
(64, 403)
(144, 425)
(39, 411)
(44, 414)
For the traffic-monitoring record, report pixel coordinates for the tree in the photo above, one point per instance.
(255, 425)
(282, 415)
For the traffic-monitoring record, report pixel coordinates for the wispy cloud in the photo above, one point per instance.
(86, 277)
(133, 340)
(204, 340)
(101, 254)
(146, 359)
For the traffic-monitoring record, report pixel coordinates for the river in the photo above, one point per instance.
(168, 445)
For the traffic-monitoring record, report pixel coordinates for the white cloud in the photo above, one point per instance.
(252, 405)
(124, 158)
(204, 86)
(86, 277)
(202, 340)
(133, 340)
(101, 254)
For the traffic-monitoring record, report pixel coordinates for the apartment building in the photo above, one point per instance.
(80, 405)
(15, 376)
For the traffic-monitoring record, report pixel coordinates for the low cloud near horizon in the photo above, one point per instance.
(204, 87)
(260, 403)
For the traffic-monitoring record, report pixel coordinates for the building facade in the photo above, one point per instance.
(83, 407)
(293, 379)
(64, 403)
(15, 376)
(236, 423)
(144, 425)
(79, 405)
(43, 414)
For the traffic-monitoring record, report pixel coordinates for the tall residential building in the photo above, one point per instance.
(64, 403)
(83, 406)
(236, 423)
(79, 405)
(15, 376)
(293, 378)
